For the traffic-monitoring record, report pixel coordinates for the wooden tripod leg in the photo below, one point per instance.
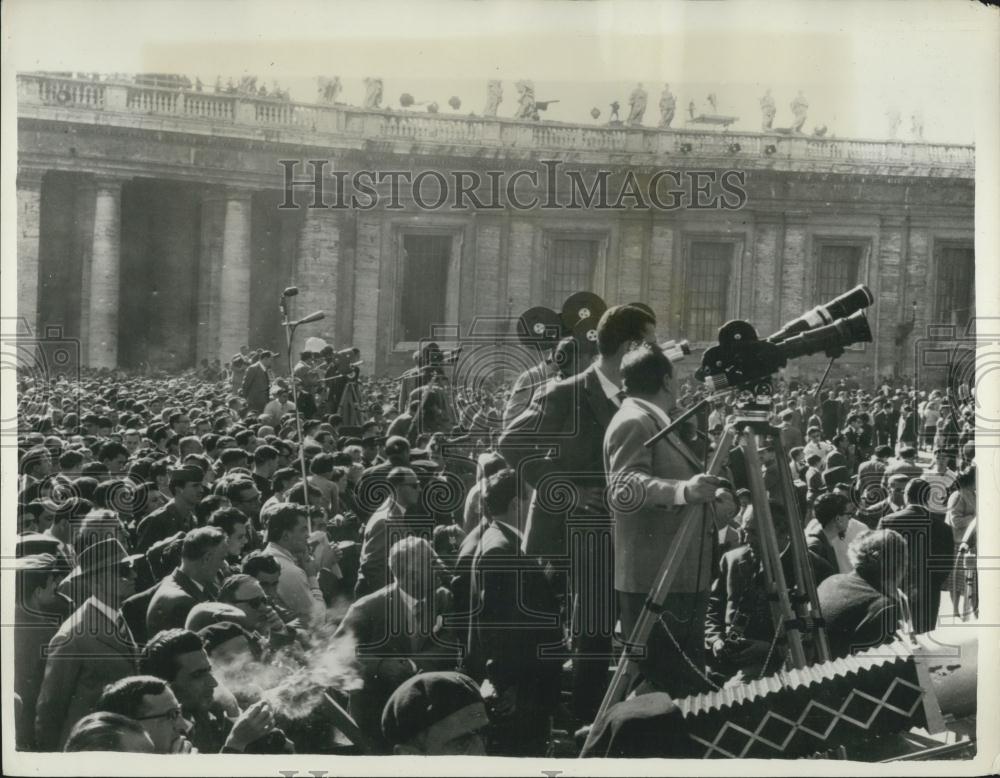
(691, 523)
(804, 578)
(769, 544)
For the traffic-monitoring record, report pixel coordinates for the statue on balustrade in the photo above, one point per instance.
(799, 109)
(767, 111)
(526, 108)
(917, 125)
(713, 101)
(637, 105)
(198, 86)
(329, 89)
(668, 104)
(373, 93)
(614, 118)
(894, 121)
(230, 87)
(494, 96)
(247, 85)
(218, 85)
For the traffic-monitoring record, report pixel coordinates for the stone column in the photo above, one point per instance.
(234, 277)
(29, 211)
(317, 275)
(213, 211)
(86, 196)
(105, 274)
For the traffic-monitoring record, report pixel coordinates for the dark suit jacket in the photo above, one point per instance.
(502, 632)
(857, 615)
(85, 655)
(255, 386)
(930, 550)
(565, 423)
(160, 524)
(821, 553)
(134, 611)
(173, 599)
(381, 628)
(32, 633)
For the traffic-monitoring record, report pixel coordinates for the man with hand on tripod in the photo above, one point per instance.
(649, 488)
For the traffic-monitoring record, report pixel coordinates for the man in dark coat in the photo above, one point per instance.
(91, 649)
(202, 555)
(506, 644)
(566, 422)
(178, 515)
(257, 383)
(930, 553)
(832, 514)
(860, 608)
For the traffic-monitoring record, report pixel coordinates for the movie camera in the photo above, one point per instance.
(741, 358)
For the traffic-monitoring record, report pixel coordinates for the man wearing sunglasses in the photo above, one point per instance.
(151, 702)
(246, 593)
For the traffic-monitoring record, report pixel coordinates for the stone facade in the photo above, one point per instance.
(213, 214)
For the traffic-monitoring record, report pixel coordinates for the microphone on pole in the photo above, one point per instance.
(315, 316)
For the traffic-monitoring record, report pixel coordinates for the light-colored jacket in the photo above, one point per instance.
(643, 484)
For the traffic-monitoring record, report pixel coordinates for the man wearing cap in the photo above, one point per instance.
(202, 555)
(256, 382)
(91, 649)
(185, 484)
(436, 714)
(791, 436)
(36, 618)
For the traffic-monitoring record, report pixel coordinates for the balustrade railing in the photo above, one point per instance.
(252, 110)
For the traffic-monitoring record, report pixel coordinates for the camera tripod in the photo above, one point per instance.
(793, 612)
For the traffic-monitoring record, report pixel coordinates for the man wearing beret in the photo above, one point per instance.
(436, 714)
(185, 485)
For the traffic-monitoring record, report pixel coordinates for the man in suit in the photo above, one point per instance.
(257, 383)
(739, 627)
(178, 515)
(861, 608)
(91, 649)
(930, 553)
(507, 645)
(832, 513)
(202, 556)
(649, 489)
(384, 527)
(556, 447)
(398, 631)
(36, 619)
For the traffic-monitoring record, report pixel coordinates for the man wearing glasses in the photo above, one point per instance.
(404, 495)
(151, 702)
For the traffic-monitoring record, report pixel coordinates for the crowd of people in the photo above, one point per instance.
(407, 566)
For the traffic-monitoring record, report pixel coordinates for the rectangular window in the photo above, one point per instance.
(425, 284)
(707, 290)
(956, 285)
(571, 269)
(837, 271)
